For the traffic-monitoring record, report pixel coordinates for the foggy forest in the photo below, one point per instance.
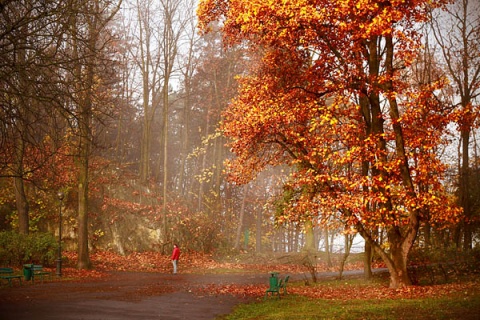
(241, 126)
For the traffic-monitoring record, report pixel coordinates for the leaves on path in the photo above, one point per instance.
(195, 263)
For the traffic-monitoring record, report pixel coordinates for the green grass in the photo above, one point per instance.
(296, 307)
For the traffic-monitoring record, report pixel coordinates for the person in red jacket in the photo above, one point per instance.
(175, 256)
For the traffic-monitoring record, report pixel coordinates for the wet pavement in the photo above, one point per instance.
(125, 295)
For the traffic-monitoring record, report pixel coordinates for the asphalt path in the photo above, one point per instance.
(132, 296)
(126, 295)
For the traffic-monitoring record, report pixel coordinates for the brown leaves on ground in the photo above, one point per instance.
(189, 262)
(202, 263)
(348, 291)
(239, 290)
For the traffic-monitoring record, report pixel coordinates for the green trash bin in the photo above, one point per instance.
(27, 271)
(274, 285)
(273, 280)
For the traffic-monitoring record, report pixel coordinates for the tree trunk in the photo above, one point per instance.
(258, 233)
(83, 252)
(241, 217)
(397, 266)
(204, 163)
(367, 261)
(21, 135)
(165, 158)
(22, 206)
(396, 257)
(348, 246)
(148, 64)
(185, 137)
(85, 124)
(145, 149)
(327, 249)
(309, 237)
(465, 189)
(20, 195)
(401, 238)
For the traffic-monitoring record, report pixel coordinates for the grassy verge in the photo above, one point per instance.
(297, 307)
(359, 299)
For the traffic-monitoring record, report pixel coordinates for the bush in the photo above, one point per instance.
(442, 265)
(427, 256)
(17, 249)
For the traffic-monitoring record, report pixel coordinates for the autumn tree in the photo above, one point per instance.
(330, 98)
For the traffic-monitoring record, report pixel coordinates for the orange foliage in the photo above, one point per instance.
(301, 106)
(332, 98)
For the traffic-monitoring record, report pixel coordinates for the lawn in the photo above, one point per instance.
(359, 299)
(298, 307)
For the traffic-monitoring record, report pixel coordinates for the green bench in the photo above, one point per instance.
(37, 271)
(7, 274)
(283, 284)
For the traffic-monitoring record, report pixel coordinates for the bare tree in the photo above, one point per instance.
(29, 39)
(457, 32)
(187, 67)
(173, 27)
(145, 50)
(88, 42)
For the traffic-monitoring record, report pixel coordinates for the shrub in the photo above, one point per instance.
(17, 249)
(427, 256)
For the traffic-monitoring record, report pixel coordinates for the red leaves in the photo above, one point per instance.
(109, 261)
(240, 290)
(375, 291)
